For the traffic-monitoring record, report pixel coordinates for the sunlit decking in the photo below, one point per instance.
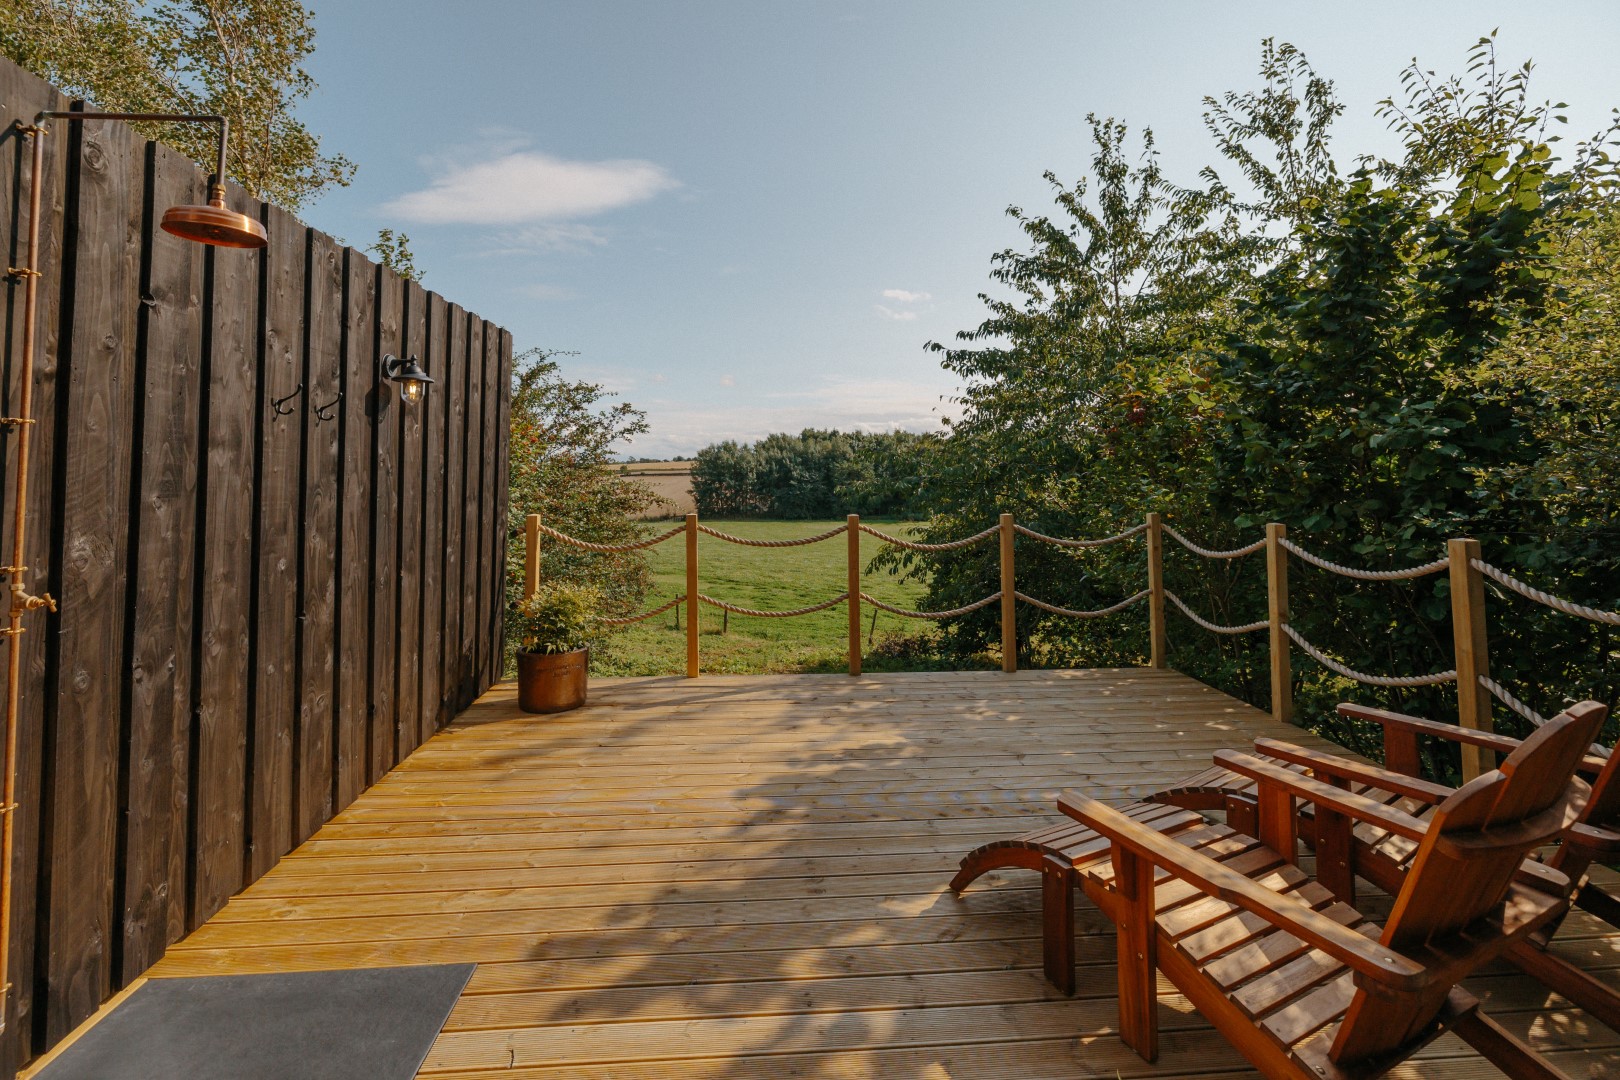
(745, 876)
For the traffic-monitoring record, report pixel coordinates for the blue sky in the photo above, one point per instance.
(749, 217)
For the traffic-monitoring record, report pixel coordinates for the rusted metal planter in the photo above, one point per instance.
(552, 682)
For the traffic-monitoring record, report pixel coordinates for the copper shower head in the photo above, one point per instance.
(214, 224)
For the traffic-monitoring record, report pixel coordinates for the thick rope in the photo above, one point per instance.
(1126, 535)
(912, 545)
(611, 548)
(952, 613)
(1556, 603)
(1367, 575)
(1501, 693)
(745, 542)
(645, 614)
(1247, 628)
(1054, 609)
(735, 610)
(1209, 553)
(1361, 677)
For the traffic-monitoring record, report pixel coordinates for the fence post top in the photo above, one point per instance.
(1276, 530)
(1462, 547)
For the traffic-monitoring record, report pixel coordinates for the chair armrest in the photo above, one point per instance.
(1360, 772)
(1456, 733)
(1345, 802)
(1357, 951)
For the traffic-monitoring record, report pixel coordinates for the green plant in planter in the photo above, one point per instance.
(560, 617)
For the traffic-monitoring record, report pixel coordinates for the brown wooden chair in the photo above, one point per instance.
(1382, 857)
(1299, 982)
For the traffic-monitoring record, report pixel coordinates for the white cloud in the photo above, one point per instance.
(905, 296)
(565, 237)
(727, 380)
(527, 186)
(542, 291)
(658, 377)
(898, 316)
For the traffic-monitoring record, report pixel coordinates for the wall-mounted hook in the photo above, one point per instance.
(324, 412)
(280, 404)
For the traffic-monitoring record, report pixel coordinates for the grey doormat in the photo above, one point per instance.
(371, 1023)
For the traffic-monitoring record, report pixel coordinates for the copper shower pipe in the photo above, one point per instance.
(211, 224)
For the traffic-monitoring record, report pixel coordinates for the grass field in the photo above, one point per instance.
(768, 579)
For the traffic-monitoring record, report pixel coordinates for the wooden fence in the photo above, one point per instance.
(275, 578)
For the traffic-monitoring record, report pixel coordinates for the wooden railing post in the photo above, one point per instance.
(853, 527)
(531, 555)
(1468, 635)
(1282, 675)
(1009, 601)
(692, 604)
(1155, 546)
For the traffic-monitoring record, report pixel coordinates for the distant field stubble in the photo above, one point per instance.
(768, 579)
(671, 482)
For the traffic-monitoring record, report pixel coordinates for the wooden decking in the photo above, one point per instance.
(745, 876)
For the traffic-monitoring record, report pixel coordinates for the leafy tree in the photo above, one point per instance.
(814, 474)
(242, 59)
(563, 434)
(393, 250)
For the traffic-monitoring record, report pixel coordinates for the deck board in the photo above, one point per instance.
(745, 876)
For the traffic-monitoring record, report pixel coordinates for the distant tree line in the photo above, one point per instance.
(814, 474)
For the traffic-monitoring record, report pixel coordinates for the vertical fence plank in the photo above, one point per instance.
(410, 554)
(693, 604)
(225, 507)
(1282, 676)
(22, 95)
(1469, 642)
(358, 448)
(273, 660)
(455, 456)
(317, 668)
(491, 524)
(471, 491)
(82, 792)
(435, 344)
(384, 528)
(503, 501)
(164, 508)
(1009, 601)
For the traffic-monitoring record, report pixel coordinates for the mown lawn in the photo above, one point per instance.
(770, 579)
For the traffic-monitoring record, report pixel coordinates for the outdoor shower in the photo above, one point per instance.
(211, 224)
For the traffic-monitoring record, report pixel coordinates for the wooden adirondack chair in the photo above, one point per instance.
(1299, 982)
(1383, 857)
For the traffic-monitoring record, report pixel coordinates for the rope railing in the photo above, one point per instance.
(950, 614)
(1530, 592)
(1060, 542)
(758, 614)
(1210, 553)
(1246, 628)
(610, 549)
(913, 545)
(1476, 691)
(628, 619)
(1360, 676)
(747, 542)
(1367, 575)
(1073, 614)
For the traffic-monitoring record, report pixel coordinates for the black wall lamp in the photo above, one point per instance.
(413, 381)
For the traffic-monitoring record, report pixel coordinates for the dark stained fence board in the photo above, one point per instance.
(490, 525)
(385, 525)
(433, 359)
(472, 486)
(354, 531)
(274, 660)
(323, 376)
(81, 790)
(22, 95)
(224, 682)
(408, 645)
(155, 786)
(455, 455)
(503, 510)
(260, 612)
